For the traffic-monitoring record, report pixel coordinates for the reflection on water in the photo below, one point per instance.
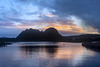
(48, 54)
(96, 49)
(29, 50)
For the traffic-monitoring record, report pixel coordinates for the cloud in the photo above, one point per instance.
(21, 14)
(64, 27)
(72, 29)
(86, 10)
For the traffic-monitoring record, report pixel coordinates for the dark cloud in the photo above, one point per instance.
(87, 10)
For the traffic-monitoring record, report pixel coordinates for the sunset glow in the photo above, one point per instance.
(22, 14)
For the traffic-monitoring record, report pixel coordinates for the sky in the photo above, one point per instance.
(69, 17)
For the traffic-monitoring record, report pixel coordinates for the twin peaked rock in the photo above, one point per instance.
(50, 34)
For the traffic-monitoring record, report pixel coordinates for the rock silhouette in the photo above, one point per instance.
(50, 34)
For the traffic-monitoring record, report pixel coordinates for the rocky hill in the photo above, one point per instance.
(50, 34)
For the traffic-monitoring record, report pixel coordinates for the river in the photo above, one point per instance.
(48, 54)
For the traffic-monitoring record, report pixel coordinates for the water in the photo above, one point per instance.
(48, 54)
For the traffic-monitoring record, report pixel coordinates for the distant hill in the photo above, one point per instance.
(82, 38)
(50, 34)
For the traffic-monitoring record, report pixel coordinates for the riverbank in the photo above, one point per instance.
(94, 44)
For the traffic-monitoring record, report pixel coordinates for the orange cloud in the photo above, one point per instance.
(73, 29)
(67, 28)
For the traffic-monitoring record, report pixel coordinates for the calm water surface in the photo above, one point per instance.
(48, 54)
